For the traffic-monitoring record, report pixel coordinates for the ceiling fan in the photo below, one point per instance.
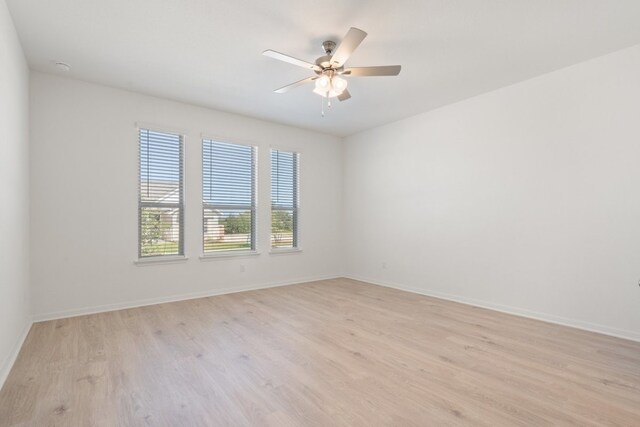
(329, 68)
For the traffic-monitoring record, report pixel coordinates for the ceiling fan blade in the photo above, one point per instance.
(383, 70)
(291, 60)
(350, 42)
(344, 95)
(287, 88)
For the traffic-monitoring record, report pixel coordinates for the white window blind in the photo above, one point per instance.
(284, 199)
(160, 196)
(228, 196)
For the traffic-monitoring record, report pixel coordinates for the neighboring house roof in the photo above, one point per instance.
(162, 192)
(168, 196)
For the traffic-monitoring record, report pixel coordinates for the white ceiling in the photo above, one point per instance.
(208, 52)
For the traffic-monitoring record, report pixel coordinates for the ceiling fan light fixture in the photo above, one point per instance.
(326, 93)
(330, 86)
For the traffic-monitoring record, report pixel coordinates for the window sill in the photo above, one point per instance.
(285, 251)
(238, 254)
(160, 260)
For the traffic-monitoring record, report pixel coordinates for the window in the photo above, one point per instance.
(228, 196)
(160, 196)
(284, 199)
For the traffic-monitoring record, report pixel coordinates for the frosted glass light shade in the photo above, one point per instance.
(323, 83)
(338, 84)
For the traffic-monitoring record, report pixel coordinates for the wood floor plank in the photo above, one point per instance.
(329, 353)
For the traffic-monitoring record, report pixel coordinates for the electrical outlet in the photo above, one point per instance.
(384, 265)
(242, 269)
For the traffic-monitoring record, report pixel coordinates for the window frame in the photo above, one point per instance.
(253, 208)
(180, 205)
(295, 208)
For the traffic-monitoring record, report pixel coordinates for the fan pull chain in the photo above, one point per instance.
(322, 106)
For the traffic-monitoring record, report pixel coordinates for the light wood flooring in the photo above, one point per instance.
(328, 353)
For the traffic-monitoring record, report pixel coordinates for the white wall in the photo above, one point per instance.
(84, 200)
(14, 175)
(525, 199)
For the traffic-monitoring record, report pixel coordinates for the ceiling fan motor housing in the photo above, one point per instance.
(324, 62)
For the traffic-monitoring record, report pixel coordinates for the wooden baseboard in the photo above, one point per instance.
(8, 362)
(182, 297)
(545, 317)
